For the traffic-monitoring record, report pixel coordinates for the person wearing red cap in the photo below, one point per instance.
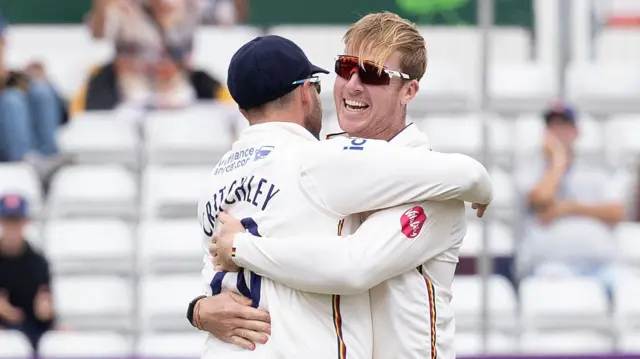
(25, 297)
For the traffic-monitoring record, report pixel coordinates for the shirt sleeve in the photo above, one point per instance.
(387, 244)
(346, 176)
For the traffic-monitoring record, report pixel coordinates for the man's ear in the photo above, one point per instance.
(410, 91)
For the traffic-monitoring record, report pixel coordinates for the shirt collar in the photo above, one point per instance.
(277, 129)
(409, 136)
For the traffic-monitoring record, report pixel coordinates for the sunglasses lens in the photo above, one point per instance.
(369, 74)
(318, 87)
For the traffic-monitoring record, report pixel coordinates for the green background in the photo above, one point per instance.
(275, 12)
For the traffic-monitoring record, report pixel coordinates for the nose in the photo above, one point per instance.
(354, 85)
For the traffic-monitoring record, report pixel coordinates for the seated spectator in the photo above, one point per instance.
(31, 111)
(152, 67)
(224, 12)
(25, 298)
(572, 209)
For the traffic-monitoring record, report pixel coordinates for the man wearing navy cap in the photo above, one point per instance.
(25, 299)
(282, 181)
(262, 78)
(572, 207)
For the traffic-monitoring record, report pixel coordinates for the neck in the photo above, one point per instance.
(382, 133)
(12, 250)
(276, 116)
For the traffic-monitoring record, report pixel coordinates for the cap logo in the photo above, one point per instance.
(12, 201)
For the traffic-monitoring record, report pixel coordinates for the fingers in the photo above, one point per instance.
(240, 299)
(242, 343)
(256, 326)
(474, 205)
(251, 313)
(250, 335)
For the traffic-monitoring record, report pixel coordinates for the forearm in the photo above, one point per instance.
(545, 191)
(311, 264)
(610, 213)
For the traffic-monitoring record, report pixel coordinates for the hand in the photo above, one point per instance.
(223, 243)
(480, 209)
(555, 150)
(554, 211)
(230, 318)
(10, 313)
(43, 304)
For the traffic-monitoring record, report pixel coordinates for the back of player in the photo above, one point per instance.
(257, 181)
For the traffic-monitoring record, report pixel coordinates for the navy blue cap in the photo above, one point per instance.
(265, 68)
(561, 111)
(13, 205)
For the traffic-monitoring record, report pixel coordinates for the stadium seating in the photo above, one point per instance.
(623, 146)
(563, 303)
(618, 94)
(567, 343)
(162, 300)
(625, 303)
(629, 343)
(170, 345)
(98, 344)
(199, 135)
(93, 191)
(96, 245)
(467, 306)
(173, 192)
(101, 137)
(214, 47)
(120, 229)
(627, 235)
(14, 345)
(167, 246)
(94, 302)
(500, 239)
(469, 343)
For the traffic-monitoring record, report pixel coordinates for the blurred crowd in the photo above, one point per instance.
(571, 209)
(151, 69)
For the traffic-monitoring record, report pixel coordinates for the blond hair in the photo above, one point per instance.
(382, 34)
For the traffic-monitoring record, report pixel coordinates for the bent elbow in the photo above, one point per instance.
(479, 187)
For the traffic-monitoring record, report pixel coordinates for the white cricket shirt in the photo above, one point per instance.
(411, 311)
(281, 181)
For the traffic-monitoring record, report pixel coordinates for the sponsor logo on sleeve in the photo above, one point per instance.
(412, 221)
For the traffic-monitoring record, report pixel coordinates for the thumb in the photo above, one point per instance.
(474, 205)
(240, 299)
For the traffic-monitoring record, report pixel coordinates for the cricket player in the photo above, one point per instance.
(281, 181)
(412, 317)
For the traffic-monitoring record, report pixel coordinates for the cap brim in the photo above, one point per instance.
(317, 70)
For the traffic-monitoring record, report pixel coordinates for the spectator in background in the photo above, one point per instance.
(572, 209)
(25, 298)
(152, 67)
(31, 111)
(224, 12)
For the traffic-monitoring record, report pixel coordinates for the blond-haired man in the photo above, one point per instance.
(377, 77)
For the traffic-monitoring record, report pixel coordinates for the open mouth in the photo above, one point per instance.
(355, 106)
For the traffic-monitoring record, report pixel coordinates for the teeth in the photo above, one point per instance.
(355, 103)
(355, 106)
